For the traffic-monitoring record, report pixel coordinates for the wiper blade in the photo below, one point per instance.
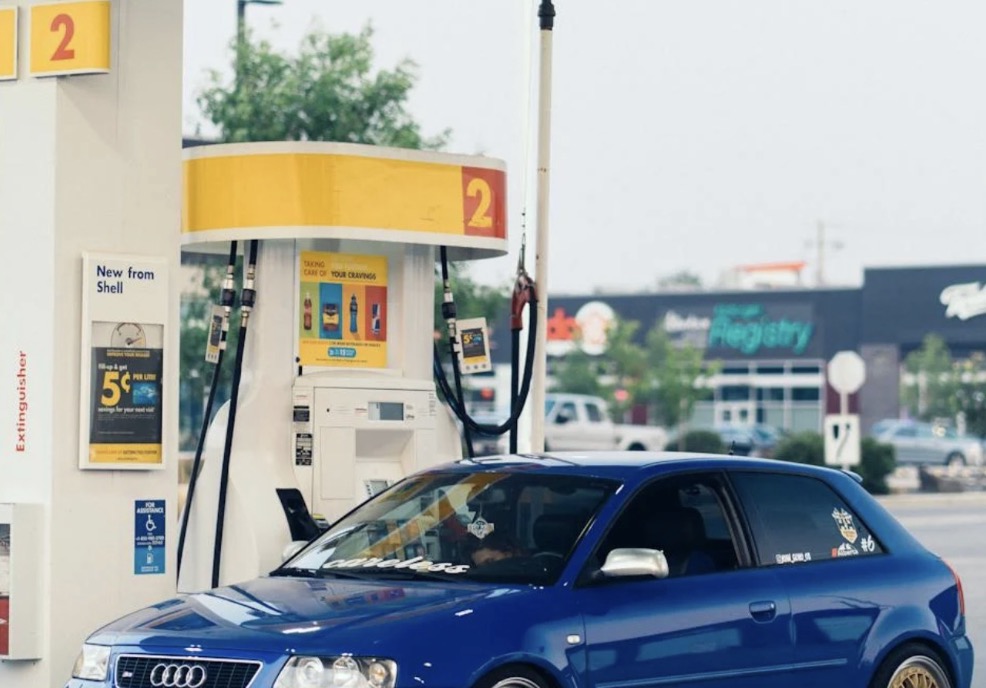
(294, 573)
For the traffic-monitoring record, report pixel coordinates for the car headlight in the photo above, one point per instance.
(93, 663)
(337, 672)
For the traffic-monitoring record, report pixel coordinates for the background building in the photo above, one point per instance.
(773, 344)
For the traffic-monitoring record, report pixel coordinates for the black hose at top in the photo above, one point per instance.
(226, 301)
(247, 301)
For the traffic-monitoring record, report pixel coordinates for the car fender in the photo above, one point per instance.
(886, 635)
(572, 676)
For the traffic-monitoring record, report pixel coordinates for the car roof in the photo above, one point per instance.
(625, 465)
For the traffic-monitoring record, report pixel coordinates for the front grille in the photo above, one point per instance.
(134, 671)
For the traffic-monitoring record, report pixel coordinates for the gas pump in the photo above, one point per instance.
(336, 400)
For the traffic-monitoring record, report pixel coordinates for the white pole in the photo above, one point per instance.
(546, 13)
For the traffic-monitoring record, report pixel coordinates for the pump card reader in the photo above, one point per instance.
(474, 352)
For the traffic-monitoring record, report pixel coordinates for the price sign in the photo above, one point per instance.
(70, 38)
(8, 43)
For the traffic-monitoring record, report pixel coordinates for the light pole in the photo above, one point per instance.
(241, 29)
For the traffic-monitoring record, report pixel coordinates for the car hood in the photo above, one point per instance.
(280, 614)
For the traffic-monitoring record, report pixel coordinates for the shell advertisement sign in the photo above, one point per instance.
(342, 310)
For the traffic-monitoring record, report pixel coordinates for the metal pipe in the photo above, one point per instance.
(546, 13)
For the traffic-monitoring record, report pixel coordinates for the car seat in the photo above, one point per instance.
(680, 534)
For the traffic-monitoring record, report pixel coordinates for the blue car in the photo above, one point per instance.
(603, 570)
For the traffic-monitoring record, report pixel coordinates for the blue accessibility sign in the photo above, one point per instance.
(149, 537)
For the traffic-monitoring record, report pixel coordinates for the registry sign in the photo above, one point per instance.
(342, 310)
(149, 537)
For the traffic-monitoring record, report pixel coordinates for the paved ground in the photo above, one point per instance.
(954, 526)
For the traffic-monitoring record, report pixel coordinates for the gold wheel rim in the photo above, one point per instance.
(919, 672)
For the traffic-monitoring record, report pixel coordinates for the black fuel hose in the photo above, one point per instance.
(247, 301)
(226, 297)
(454, 397)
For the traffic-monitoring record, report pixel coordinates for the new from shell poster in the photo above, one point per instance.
(342, 310)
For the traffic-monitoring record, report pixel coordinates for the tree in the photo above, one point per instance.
(578, 373)
(326, 93)
(674, 380)
(682, 280)
(935, 382)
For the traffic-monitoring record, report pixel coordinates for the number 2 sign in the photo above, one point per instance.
(70, 38)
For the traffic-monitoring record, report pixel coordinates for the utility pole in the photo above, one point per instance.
(822, 246)
(820, 254)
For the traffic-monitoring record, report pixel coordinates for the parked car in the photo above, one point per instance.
(575, 422)
(927, 444)
(588, 569)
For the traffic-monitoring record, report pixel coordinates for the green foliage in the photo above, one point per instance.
(876, 460)
(472, 300)
(626, 364)
(701, 442)
(196, 373)
(802, 447)
(934, 393)
(327, 92)
(683, 280)
(673, 371)
(660, 374)
(578, 373)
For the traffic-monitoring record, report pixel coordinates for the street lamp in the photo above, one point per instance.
(241, 27)
(241, 16)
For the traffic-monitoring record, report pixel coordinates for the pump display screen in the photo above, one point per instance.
(386, 410)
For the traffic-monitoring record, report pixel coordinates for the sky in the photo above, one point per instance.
(690, 134)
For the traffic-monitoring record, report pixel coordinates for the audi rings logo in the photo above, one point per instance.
(178, 676)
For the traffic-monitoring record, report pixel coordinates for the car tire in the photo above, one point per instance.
(637, 446)
(513, 676)
(955, 460)
(912, 665)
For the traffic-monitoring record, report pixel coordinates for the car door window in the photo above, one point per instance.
(906, 432)
(594, 413)
(797, 519)
(685, 518)
(566, 413)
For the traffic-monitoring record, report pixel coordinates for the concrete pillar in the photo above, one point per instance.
(87, 164)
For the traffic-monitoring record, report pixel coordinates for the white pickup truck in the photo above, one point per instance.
(577, 422)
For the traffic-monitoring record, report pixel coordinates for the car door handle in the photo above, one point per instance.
(764, 610)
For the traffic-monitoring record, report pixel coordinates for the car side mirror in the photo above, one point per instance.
(624, 563)
(292, 549)
(562, 418)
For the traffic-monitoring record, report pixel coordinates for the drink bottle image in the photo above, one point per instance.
(375, 319)
(308, 312)
(353, 314)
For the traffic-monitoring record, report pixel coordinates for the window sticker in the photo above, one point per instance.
(794, 558)
(415, 564)
(844, 550)
(846, 526)
(867, 544)
(480, 528)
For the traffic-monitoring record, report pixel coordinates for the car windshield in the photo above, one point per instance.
(516, 527)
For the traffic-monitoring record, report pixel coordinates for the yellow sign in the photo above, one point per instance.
(342, 310)
(338, 190)
(8, 43)
(70, 38)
